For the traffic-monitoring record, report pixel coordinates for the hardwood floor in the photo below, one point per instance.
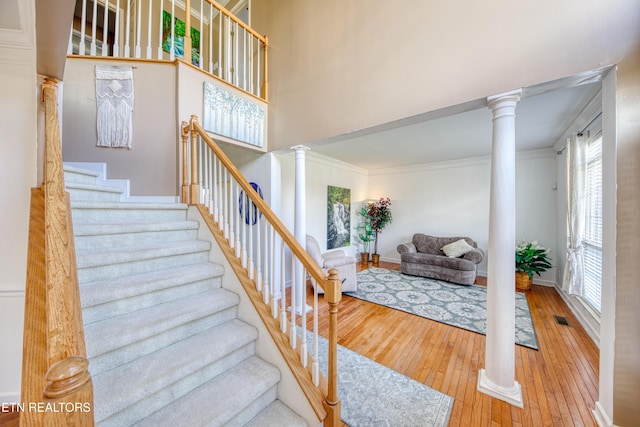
(559, 381)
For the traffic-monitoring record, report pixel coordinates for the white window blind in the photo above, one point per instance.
(593, 224)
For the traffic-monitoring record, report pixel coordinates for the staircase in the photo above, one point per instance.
(164, 342)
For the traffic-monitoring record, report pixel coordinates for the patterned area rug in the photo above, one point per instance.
(455, 305)
(374, 395)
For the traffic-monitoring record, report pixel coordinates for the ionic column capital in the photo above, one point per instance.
(504, 103)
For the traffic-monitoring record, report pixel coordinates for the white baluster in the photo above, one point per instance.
(250, 206)
(251, 64)
(149, 30)
(258, 255)
(292, 333)
(274, 266)
(239, 247)
(303, 322)
(116, 36)
(220, 201)
(258, 71)
(127, 48)
(160, 30)
(105, 30)
(245, 200)
(283, 290)
(138, 28)
(226, 206)
(94, 25)
(201, 34)
(211, 38)
(220, 46)
(232, 217)
(216, 214)
(236, 47)
(83, 24)
(212, 181)
(172, 50)
(315, 372)
(244, 59)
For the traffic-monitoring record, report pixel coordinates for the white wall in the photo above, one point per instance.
(336, 67)
(18, 112)
(155, 129)
(452, 199)
(322, 171)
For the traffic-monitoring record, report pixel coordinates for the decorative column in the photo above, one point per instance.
(498, 377)
(300, 227)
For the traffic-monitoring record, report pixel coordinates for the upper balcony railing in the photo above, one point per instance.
(218, 42)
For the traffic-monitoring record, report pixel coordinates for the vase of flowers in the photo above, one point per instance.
(379, 215)
(530, 258)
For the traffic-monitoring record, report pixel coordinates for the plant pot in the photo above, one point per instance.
(523, 281)
(364, 258)
(375, 260)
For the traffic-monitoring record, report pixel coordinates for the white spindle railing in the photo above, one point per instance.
(238, 56)
(260, 244)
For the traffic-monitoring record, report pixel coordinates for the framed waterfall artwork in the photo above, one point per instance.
(179, 32)
(338, 217)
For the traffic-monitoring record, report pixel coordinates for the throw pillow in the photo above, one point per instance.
(457, 248)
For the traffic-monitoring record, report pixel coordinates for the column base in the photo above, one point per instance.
(511, 395)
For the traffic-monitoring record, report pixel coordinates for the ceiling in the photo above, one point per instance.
(543, 115)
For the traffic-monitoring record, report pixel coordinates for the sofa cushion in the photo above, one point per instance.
(457, 249)
(432, 245)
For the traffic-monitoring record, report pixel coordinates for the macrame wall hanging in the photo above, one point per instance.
(114, 96)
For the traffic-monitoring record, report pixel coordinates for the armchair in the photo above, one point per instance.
(346, 265)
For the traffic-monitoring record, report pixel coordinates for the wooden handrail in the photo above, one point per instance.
(53, 314)
(332, 285)
(235, 19)
(288, 238)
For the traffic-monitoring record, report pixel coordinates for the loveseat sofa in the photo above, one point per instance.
(424, 256)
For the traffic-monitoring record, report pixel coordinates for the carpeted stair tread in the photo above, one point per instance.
(100, 257)
(223, 399)
(277, 414)
(110, 334)
(92, 187)
(76, 174)
(89, 229)
(84, 204)
(103, 291)
(180, 367)
(106, 212)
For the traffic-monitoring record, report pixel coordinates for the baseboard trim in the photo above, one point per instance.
(584, 322)
(601, 416)
(12, 398)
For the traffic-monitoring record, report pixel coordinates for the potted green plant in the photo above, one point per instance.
(379, 213)
(530, 258)
(366, 235)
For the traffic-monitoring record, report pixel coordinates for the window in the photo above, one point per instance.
(593, 224)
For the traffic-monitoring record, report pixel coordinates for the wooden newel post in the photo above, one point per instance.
(194, 193)
(184, 133)
(333, 295)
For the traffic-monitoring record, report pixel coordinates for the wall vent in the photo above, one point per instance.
(560, 320)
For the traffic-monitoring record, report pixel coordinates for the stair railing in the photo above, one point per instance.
(56, 384)
(257, 244)
(219, 43)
